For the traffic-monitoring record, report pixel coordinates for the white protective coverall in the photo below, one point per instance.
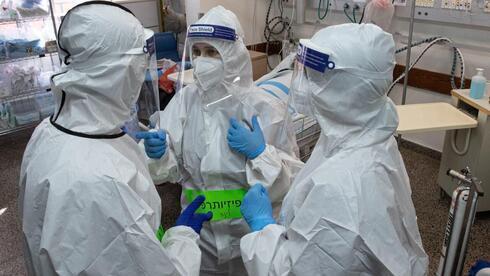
(87, 201)
(349, 210)
(199, 158)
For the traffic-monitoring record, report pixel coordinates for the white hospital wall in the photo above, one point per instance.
(245, 11)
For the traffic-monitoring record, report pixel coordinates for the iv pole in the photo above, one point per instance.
(407, 61)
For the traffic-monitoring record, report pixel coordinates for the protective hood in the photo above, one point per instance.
(234, 54)
(350, 101)
(104, 63)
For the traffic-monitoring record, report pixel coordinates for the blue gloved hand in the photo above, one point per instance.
(155, 142)
(248, 142)
(190, 218)
(257, 208)
(477, 266)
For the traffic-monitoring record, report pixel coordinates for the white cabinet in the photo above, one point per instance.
(147, 11)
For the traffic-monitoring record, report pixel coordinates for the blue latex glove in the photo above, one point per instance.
(190, 218)
(477, 266)
(248, 142)
(257, 208)
(155, 142)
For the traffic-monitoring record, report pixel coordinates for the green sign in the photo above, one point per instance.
(224, 204)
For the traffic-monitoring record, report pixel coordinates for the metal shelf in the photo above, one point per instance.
(37, 61)
(19, 128)
(26, 94)
(24, 19)
(10, 130)
(12, 60)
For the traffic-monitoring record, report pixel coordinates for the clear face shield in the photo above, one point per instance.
(148, 101)
(201, 50)
(223, 95)
(309, 69)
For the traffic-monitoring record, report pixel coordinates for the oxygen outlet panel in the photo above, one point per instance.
(486, 7)
(462, 5)
(425, 3)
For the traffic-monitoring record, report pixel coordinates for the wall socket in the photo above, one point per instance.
(464, 5)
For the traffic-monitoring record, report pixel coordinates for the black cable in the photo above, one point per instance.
(271, 26)
(354, 15)
(427, 40)
(345, 12)
(267, 45)
(266, 35)
(362, 15)
(326, 10)
(456, 56)
(279, 19)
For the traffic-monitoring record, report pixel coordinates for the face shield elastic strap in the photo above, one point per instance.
(97, 2)
(211, 31)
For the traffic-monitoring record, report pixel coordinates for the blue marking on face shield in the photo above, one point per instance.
(314, 59)
(213, 31)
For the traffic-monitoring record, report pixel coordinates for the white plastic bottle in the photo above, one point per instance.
(478, 85)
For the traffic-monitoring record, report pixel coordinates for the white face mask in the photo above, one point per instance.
(208, 72)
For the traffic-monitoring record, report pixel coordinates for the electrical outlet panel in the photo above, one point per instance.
(426, 3)
(464, 5)
(336, 5)
(466, 12)
(486, 6)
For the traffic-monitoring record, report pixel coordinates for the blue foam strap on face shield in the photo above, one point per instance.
(314, 59)
(213, 31)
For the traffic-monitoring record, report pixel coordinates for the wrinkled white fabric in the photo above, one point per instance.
(349, 210)
(89, 207)
(100, 81)
(87, 202)
(198, 156)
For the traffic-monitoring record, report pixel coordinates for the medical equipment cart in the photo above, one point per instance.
(468, 147)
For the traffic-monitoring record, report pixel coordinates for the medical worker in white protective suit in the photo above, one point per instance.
(87, 201)
(221, 135)
(349, 210)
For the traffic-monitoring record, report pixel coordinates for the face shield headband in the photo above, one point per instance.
(314, 59)
(211, 31)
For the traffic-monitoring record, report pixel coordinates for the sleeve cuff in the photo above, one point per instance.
(263, 156)
(180, 232)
